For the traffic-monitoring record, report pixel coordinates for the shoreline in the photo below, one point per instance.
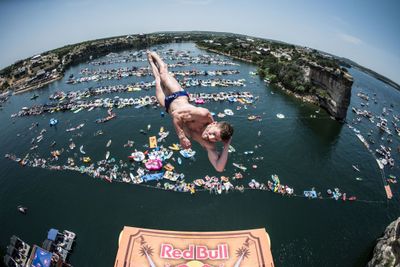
(35, 87)
(312, 99)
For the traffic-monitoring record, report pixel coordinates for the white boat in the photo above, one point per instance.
(280, 116)
(187, 153)
(380, 164)
(355, 168)
(239, 166)
(228, 112)
(108, 143)
(79, 109)
(107, 154)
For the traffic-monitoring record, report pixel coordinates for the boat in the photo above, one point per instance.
(34, 96)
(187, 153)
(81, 150)
(162, 135)
(252, 117)
(53, 122)
(231, 149)
(228, 112)
(137, 156)
(107, 154)
(22, 209)
(108, 143)
(86, 159)
(221, 115)
(169, 167)
(280, 116)
(355, 168)
(77, 110)
(239, 166)
(310, 194)
(362, 139)
(72, 145)
(179, 161)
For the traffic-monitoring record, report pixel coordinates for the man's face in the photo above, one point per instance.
(212, 133)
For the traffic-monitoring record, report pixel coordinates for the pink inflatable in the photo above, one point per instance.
(153, 164)
(199, 101)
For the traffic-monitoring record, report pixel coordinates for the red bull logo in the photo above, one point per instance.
(194, 252)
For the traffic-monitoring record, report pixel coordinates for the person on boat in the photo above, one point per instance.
(189, 121)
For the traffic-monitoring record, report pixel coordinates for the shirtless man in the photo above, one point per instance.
(190, 121)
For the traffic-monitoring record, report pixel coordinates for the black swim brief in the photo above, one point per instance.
(172, 97)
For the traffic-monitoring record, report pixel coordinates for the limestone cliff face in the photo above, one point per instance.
(387, 250)
(336, 89)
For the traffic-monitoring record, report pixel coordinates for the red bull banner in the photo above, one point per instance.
(139, 247)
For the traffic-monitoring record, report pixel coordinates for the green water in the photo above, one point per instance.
(303, 151)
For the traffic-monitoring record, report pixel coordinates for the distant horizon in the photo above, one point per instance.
(363, 31)
(188, 31)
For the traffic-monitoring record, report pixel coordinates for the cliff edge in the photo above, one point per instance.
(335, 89)
(387, 250)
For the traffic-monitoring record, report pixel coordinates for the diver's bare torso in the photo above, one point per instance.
(193, 125)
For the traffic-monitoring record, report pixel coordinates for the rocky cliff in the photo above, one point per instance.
(335, 91)
(387, 250)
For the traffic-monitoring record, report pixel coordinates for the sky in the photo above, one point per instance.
(365, 31)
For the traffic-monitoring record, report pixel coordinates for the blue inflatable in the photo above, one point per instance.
(310, 194)
(153, 177)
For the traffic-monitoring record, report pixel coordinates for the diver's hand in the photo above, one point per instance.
(185, 142)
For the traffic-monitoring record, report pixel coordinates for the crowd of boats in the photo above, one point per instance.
(88, 75)
(152, 167)
(67, 102)
(383, 151)
(184, 58)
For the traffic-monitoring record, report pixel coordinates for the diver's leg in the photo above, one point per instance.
(169, 83)
(159, 90)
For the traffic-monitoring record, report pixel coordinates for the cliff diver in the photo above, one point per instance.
(189, 121)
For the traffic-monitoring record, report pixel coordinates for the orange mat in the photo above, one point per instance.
(388, 192)
(146, 247)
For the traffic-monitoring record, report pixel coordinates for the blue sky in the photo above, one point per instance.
(365, 31)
